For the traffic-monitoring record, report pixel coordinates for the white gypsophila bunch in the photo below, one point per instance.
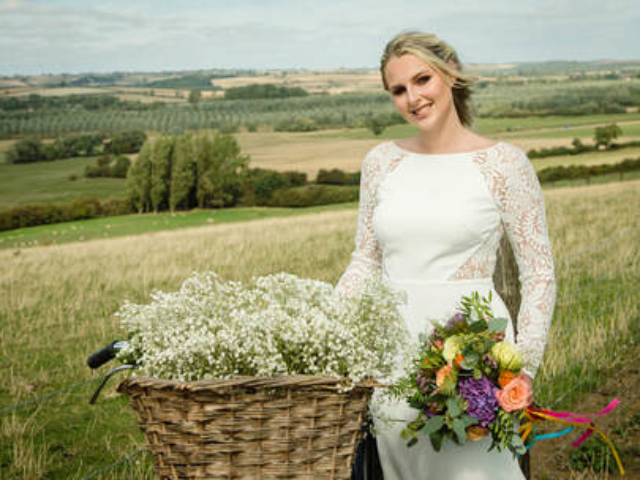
(276, 325)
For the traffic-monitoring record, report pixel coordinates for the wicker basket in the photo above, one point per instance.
(302, 427)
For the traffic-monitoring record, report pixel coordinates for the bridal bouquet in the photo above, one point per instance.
(467, 382)
(274, 325)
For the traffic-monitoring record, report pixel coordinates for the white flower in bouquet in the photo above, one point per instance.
(275, 325)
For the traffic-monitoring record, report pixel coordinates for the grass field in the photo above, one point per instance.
(306, 152)
(50, 182)
(110, 227)
(57, 304)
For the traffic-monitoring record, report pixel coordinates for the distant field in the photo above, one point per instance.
(305, 152)
(526, 127)
(111, 227)
(49, 182)
(58, 91)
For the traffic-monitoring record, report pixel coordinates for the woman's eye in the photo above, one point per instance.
(424, 79)
(397, 91)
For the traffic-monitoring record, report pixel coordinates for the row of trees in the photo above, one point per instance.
(267, 90)
(29, 150)
(203, 170)
(586, 172)
(39, 103)
(603, 138)
(192, 170)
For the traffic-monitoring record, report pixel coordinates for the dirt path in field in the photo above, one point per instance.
(550, 458)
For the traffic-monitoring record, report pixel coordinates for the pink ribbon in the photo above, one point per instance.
(572, 417)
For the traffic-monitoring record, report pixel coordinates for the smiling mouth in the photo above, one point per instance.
(422, 110)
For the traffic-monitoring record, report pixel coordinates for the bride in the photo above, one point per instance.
(433, 209)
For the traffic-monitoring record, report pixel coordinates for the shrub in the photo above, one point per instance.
(296, 125)
(120, 167)
(261, 184)
(312, 195)
(108, 166)
(125, 142)
(26, 150)
(337, 177)
(48, 213)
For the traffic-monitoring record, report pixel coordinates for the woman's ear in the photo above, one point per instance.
(455, 66)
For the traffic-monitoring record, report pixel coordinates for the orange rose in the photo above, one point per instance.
(442, 374)
(517, 394)
(505, 377)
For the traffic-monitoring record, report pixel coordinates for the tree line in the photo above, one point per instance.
(205, 170)
(35, 103)
(29, 150)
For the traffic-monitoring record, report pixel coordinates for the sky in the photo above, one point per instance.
(79, 36)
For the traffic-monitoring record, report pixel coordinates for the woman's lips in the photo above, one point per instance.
(422, 111)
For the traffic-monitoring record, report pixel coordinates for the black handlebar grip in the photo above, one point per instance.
(103, 355)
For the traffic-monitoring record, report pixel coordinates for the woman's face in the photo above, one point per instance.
(419, 92)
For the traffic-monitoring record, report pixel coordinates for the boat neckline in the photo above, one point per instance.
(444, 155)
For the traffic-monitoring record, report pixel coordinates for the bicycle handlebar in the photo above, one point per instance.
(105, 354)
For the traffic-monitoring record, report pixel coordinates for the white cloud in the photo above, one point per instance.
(82, 35)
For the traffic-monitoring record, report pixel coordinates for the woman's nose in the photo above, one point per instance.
(412, 96)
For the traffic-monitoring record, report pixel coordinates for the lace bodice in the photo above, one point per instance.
(478, 196)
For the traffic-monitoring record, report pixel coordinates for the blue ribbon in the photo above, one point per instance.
(535, 437)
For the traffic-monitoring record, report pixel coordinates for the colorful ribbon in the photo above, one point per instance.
(573, 421)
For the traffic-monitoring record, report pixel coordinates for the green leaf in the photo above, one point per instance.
(434, 424)
(469, 420)
(454, 407)
(459, 429)
(477, 327)
(436, 441)
(498, 324)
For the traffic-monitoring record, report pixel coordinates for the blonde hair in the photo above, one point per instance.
(439, 55)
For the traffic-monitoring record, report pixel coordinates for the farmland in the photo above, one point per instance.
(61, 284)
(58, 303)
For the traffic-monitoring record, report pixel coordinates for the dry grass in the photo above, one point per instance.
(56, 306)
(304, 152)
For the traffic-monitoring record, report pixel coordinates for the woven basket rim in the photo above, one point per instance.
(307, 382)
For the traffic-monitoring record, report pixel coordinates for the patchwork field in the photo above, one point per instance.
(57, 305)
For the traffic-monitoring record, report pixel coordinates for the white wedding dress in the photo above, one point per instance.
(431, 226)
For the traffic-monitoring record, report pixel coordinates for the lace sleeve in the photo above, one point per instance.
(520, 200)
(365, 260)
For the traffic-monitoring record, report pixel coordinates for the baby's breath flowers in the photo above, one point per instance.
(274, 325)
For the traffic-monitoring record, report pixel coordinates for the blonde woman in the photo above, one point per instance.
(433, 209)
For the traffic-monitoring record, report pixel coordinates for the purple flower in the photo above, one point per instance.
(456, 319)
(490, 362)
(481, 399)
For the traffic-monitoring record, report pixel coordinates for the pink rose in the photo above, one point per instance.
(517, 394)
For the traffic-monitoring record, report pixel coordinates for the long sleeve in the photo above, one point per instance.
(366, 258)
(519, 198)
